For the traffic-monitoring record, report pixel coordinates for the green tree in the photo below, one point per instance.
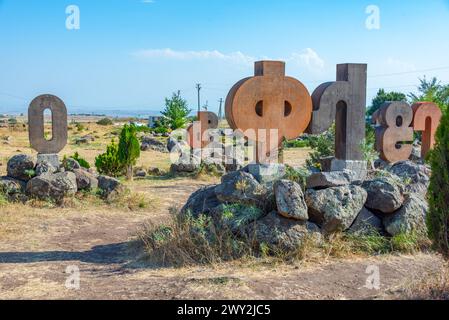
(108, 163)
(382, 97)
(432, 91)
(176, 111)
(438, 193)
(128, 149)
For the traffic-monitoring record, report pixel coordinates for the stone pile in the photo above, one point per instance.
(27, 179)
(389, 202)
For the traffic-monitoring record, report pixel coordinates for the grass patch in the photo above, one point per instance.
(201, 240)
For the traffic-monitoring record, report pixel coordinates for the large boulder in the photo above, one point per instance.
(416, 176)
(20, 166)
(85, 180)
(111, 188)
(330, 179)
(283, 234)
(172, 143)
(241, 187)
(384, 194)
(366, 223)
(410, 218)
(201, 202)
(12, 188)
(335, 209)
(290, 200)
(52, 186)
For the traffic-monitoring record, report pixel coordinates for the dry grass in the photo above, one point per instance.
(432, 286)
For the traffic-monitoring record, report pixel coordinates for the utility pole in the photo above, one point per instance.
(198, 87)
(220, 110)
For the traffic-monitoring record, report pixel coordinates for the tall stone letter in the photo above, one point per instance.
(36, 124)
(394, 119)
(426, 118)
(342, 101)
(271, 105)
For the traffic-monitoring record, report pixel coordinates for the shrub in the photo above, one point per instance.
(105, 122)
(128, 149)
(323, 145)
(296, 144)
(438, 193)
(82, 162)
(108, 163)
(80, 127)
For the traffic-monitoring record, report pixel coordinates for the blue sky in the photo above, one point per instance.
(130, 54)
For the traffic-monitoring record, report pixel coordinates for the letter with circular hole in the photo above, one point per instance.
(36, 124)
(197, 132)
(269, 102)
(394, 131)
(342, 101)
(426, 118)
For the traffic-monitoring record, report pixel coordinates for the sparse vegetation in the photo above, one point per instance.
(105, 122)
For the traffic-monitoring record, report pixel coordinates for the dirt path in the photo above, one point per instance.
(35, 253)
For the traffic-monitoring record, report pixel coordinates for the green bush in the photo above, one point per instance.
(438, 193)
(108, 163)
(296, 144)
(323, 145)
(82, 162)
(105, 122)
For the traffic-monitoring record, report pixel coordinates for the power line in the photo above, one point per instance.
(407, 72)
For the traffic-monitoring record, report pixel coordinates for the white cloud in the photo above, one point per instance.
(147, 1)
(237, 57)
(307, 58)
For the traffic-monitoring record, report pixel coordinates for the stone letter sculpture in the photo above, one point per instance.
(47, 148)
(270, 105)
(198, 136)
(426, 118)
(342, 101)
(394, 119)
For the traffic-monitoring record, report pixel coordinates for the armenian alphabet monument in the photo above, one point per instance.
(270, 107)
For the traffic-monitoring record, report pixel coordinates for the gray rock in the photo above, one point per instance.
(140, 173)
(44, 167)
(290, 200)
(19, 167)
(266, 173)
(51, 158)
(330, 179)
(366, 223)
(10, 186)
(384, 194)
(279, 233)
(155, 172)
(410, 218)
(52, 186)
(416, 176)
(70, 164)
(185, 164)
(149, 143)
(172, 143)
(358, 167)
(201, 202)
(111, 188)
(85, 180)
(335, 209)
(242, 187)
(416, 153)
(213, 165)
